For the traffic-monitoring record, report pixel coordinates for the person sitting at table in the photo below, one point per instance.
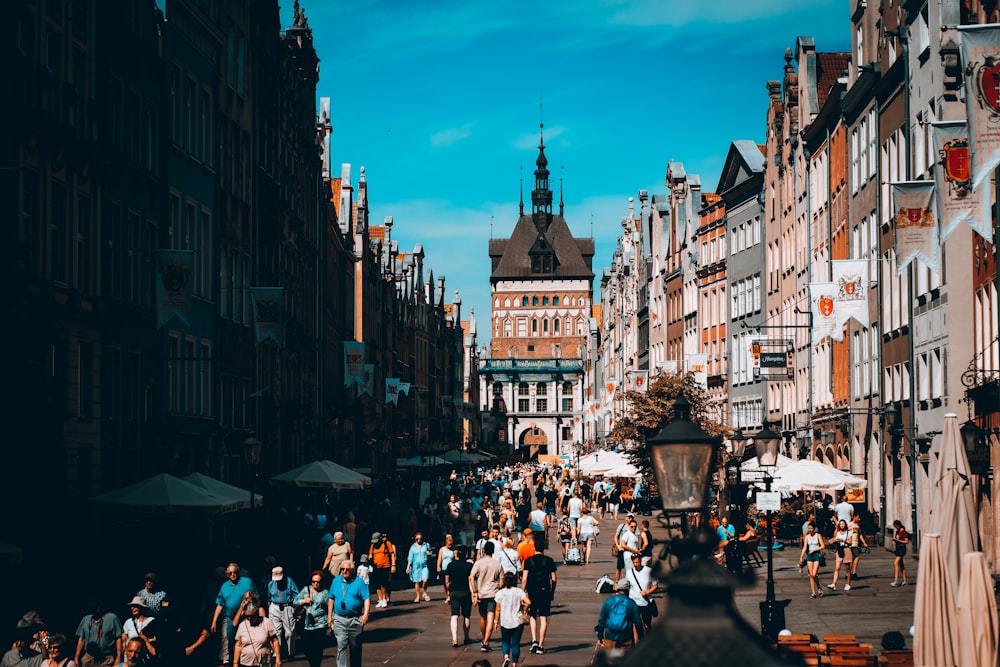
(750, 534)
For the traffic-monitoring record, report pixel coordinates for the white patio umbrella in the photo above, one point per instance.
(597, 463)
(458, 456)
(422, 462)
(977, 614)
(622, 470)
(322, 475)
(241, 497)
(954, 513)
(166, 493)
(808, 475)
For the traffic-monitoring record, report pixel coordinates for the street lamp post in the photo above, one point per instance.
(251, 449)
(772, 612)
(700, 627)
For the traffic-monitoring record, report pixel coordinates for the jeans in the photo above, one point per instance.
(348, 633)
(510, 642)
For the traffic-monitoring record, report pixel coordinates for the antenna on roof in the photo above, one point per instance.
(591, 224)
(491, 227)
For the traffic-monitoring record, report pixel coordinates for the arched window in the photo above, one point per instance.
(534, 326)
(555, 326)
(506, 303)
(545, 300)
(545, 326)
(567, 387)
(534, 301)
(524, 301)
(522, 388)
(541, 389)
(555, 301)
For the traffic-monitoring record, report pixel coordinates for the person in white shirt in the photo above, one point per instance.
(643, 586)
(509, 560)
(628, 542)
(575, 510)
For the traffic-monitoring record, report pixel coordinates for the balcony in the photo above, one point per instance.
(530, 370)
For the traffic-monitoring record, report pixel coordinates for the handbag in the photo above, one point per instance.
(653, 610)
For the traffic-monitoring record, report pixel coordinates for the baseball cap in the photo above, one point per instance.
(277, 573)
(527, 531)
(376, 537)
(624, 584)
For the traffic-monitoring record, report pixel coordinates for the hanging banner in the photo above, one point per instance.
(637, 380)
(698, 364)
(610, 389)
(958, 202)
(980, 49)
(668, 367)
(354, 361)
(404, 388)
(367, 380)
(174, 271)
(915, 224)
(823, 303)
(851, 279)
(267, 314)
(392, 390)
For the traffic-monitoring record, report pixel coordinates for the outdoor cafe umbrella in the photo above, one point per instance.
(458, 456)
(422, 462)
(322, 475)
(954, 513)
(166, 493)
(241, 497)
(934, 614)
(977, 614)
(806, 475)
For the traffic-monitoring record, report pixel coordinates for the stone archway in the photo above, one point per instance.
(534, 440)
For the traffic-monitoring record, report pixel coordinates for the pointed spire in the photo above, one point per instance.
(560, 190)
(541, 196)
(521, 188)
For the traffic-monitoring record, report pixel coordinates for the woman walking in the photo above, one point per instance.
(416, 567)
(588, 531)
(314, 601)
(511, 602)
(901, 538)
(812, 551)
(256, 640)
(842, 541)
(857, 542)
(446, 554)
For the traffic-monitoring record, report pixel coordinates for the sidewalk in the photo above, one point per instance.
(415, 634)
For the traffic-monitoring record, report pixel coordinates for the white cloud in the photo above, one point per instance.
(451, 136)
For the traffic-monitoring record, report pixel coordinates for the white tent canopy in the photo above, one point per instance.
(422, 462)
(600, 462)
(322, 475)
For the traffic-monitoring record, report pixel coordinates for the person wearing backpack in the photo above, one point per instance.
(538, 579)
(619, 624)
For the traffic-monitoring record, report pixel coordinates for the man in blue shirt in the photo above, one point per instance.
(281, 591)
(349, 607)
(227, 605)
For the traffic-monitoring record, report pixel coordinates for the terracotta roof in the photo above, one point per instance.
(831, 67)
(377, 232)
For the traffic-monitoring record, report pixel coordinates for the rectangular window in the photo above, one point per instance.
(567, 404)
(855, 150)
(57, 234)
(133, 397)
(523, 404)
(132, 257)
(205, 254)
(190, 375)
(152, 140)
(83, 239)
(205, 379)
(173, 373)
(176, 98)
(85, 380)
(541, 405)
(111, 382)
(174, 222)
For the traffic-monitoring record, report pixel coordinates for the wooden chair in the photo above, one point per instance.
(751, 556)
(840, 639)
(837, 660)
(795, 639)
(849, 649)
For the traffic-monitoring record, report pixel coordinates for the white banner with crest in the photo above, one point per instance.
(915, 223)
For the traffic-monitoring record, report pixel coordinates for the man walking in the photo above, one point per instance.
(281, 591)
(99, 634)
(382, 556)
(348, 613)
(484, 581)
(539, 582)
(457, 576)
(619, 624)
(227, 606)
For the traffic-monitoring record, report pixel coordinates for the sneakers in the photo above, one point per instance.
(832, 587)
(485, 648)
(847, 587)
(814, 595)
(894, 583)
(905, 583)
(427, 598)
(538, 650)
(534, 645)
(454, 644)
(506, 662)
(381, 604)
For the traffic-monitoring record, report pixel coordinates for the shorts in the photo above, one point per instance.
(620, 561)
(541, 604)
(855, 552)
(486, 606)
(586, 537)
(461, 604)
(900, 550)
(380, 576)
(814, 557)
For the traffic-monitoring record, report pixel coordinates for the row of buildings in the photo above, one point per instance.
(719, 282)
(188, 269)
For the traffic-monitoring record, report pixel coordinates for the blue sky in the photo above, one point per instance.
(439, 101)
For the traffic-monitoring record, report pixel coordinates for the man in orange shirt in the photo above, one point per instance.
(526, 548)
(382, 556)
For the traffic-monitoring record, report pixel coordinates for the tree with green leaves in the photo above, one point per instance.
(649, 411)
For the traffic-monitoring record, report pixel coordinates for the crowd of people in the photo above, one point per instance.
(494, 529)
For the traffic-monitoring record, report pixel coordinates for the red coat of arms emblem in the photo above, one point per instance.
(826, 306)
(989, 84)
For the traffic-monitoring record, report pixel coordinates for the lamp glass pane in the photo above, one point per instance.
(682, 473)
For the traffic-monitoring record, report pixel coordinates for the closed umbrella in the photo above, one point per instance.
(954, 514)
(977, 614)
(934, 615)
(322, 475)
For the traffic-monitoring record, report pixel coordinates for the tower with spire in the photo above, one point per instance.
(534, 381)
